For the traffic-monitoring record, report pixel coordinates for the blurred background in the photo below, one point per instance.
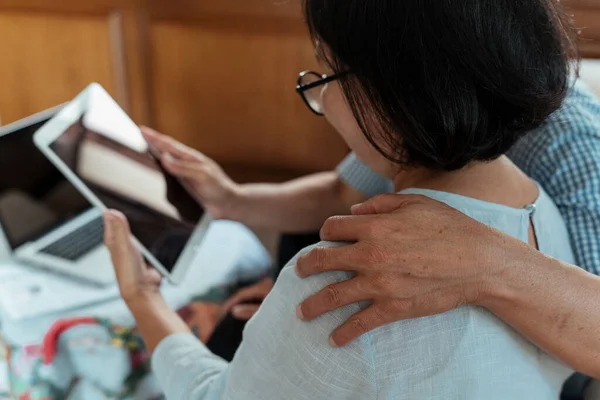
(219, 75)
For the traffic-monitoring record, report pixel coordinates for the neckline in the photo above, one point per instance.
(471, 202)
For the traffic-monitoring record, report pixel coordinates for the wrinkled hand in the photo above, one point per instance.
(257, 292)
(209, 183)
(137, 281)
(413, 257)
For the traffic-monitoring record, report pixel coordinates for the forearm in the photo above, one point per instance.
(184, 367)
(553, 304)
(301, 205)
(155, 320)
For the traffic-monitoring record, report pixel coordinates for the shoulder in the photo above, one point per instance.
(313, 283)
(280, 353)
(290, 290)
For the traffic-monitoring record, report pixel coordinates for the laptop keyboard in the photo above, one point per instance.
(79, 242)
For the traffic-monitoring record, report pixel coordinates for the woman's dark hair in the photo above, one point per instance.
(443, 83)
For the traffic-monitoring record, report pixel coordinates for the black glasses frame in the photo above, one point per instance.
(323, 80)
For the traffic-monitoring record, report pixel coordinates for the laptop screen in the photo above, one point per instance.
(34, 196)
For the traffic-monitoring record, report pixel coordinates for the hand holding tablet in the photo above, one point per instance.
(104, 154)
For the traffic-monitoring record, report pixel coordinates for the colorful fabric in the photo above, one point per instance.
(78, 357)
(50, 345)
(96, 348)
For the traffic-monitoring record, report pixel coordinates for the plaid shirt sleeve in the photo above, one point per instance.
(564, 157)
(362, 178)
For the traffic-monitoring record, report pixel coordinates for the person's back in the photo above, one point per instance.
(467, 353)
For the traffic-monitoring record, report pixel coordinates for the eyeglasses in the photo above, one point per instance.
(311, 86)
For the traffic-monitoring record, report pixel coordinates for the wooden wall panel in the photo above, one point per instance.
(49, 58)
(193, 9)
(217, 74)
(587, 20)
(228, 89)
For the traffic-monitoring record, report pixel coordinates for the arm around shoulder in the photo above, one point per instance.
(552, 303)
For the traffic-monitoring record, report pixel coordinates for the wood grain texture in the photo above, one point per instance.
(587, 19)
(217, 74)
(68, 7)
(118, 58)
(186, 9)
(230, 92)
(223, 78)
(48, 58)
(137, 67)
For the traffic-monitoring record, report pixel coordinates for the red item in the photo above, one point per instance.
(50, 343)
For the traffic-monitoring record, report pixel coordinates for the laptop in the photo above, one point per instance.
(44, 220)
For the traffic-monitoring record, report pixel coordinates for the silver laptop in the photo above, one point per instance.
(44, 220)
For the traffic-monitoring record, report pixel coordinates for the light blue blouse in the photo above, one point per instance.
(463, 354)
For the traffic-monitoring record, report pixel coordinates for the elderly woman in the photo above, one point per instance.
(430, 95)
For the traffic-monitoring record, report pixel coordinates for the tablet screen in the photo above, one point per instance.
(116, 163)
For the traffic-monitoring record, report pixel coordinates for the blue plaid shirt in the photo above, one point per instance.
(563, 156)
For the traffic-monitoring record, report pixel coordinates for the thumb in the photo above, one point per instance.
(382, 204)
(118, 240)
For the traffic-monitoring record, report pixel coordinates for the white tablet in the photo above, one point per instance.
(103, 153)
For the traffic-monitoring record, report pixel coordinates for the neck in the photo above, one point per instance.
(498, 181)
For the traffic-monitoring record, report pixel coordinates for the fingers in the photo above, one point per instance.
(381, 313)
(165, 144)
(191, 169)
(330, 298)
(245, 311)
(346, 228)
(383, 204)
(122, 252)
(359, 324)
(321, 259)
